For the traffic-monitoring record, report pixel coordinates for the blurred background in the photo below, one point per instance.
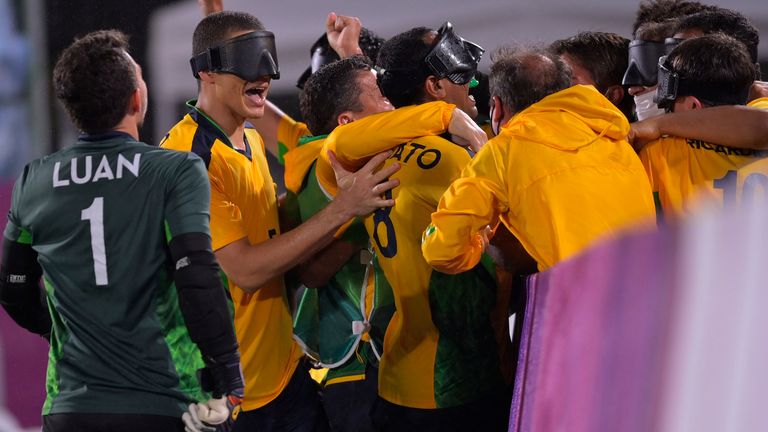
(33, 33)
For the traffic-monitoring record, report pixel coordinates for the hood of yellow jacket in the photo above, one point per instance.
(569, 119)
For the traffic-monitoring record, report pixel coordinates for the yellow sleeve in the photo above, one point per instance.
(354, 143)
(453, 243)
(226, 219)
(646, 157)
(760, 103)
(288, 133)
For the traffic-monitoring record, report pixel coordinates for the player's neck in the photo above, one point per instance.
(128, 125)
(230, 123)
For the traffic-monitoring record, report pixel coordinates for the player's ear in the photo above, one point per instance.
(690, 103)
(344, 118)
(615, 94)
(433, 88)
(207, 77)
(134, 104)
(497, 109)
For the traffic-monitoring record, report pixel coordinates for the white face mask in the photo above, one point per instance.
(646, 107)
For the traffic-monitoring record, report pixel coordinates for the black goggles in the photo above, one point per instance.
(321, 54)
(643, 60)
(672, 85)
(250, 56)
(453, 57)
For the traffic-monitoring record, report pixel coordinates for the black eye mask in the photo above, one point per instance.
(453, 57)
(643, 60)
(250, 56)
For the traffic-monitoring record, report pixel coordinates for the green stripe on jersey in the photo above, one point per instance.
(59, 335)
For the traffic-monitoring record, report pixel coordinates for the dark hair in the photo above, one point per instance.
(522, 76)
(726, 21)
(657, 31)
(402, 59)
(715, 61)
(370, 43)
(658, 11)
(94, 79)
(330, 91)
(604, 55)
(217, 28)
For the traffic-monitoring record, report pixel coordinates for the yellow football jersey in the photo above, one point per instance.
(299, 160)
(559, 175)
(688, 173)
(289, 132)
(244, 204)
(425, 363)
(389, 128)
(761, 103)
(749, 184)
(682, 169)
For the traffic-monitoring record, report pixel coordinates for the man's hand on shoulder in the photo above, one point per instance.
(644, 131)
(360, 193)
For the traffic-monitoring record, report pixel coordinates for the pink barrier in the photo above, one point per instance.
(594, 335)
(24, 356)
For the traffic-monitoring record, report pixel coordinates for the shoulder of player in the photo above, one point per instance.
(431, 151)
(695, 146)
(444, 145)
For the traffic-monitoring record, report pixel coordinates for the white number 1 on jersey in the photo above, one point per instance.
(95, 214)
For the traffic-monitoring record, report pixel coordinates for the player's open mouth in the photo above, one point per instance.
(255, 95)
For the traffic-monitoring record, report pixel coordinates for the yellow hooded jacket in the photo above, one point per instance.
(559, 175)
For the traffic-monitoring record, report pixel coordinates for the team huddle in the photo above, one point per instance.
(180, 292)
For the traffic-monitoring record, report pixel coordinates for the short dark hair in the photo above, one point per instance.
(330, 91)
(658, 11)
(94, 79)
(402, 58)
(522, 76)
(217, 28)
(726, 21)
(657, 31)
(604, 55)
(715, 61)
(370, 43)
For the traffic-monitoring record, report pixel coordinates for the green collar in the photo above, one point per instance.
(309, 138)
(224, 137)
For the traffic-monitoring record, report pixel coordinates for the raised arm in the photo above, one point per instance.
(279, 131)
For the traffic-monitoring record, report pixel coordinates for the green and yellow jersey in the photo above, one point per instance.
(341, 324)
(289, 134)
(685, 173)
(244, 205)
(439, 349)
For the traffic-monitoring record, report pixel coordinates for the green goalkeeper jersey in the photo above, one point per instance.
(100, 214)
